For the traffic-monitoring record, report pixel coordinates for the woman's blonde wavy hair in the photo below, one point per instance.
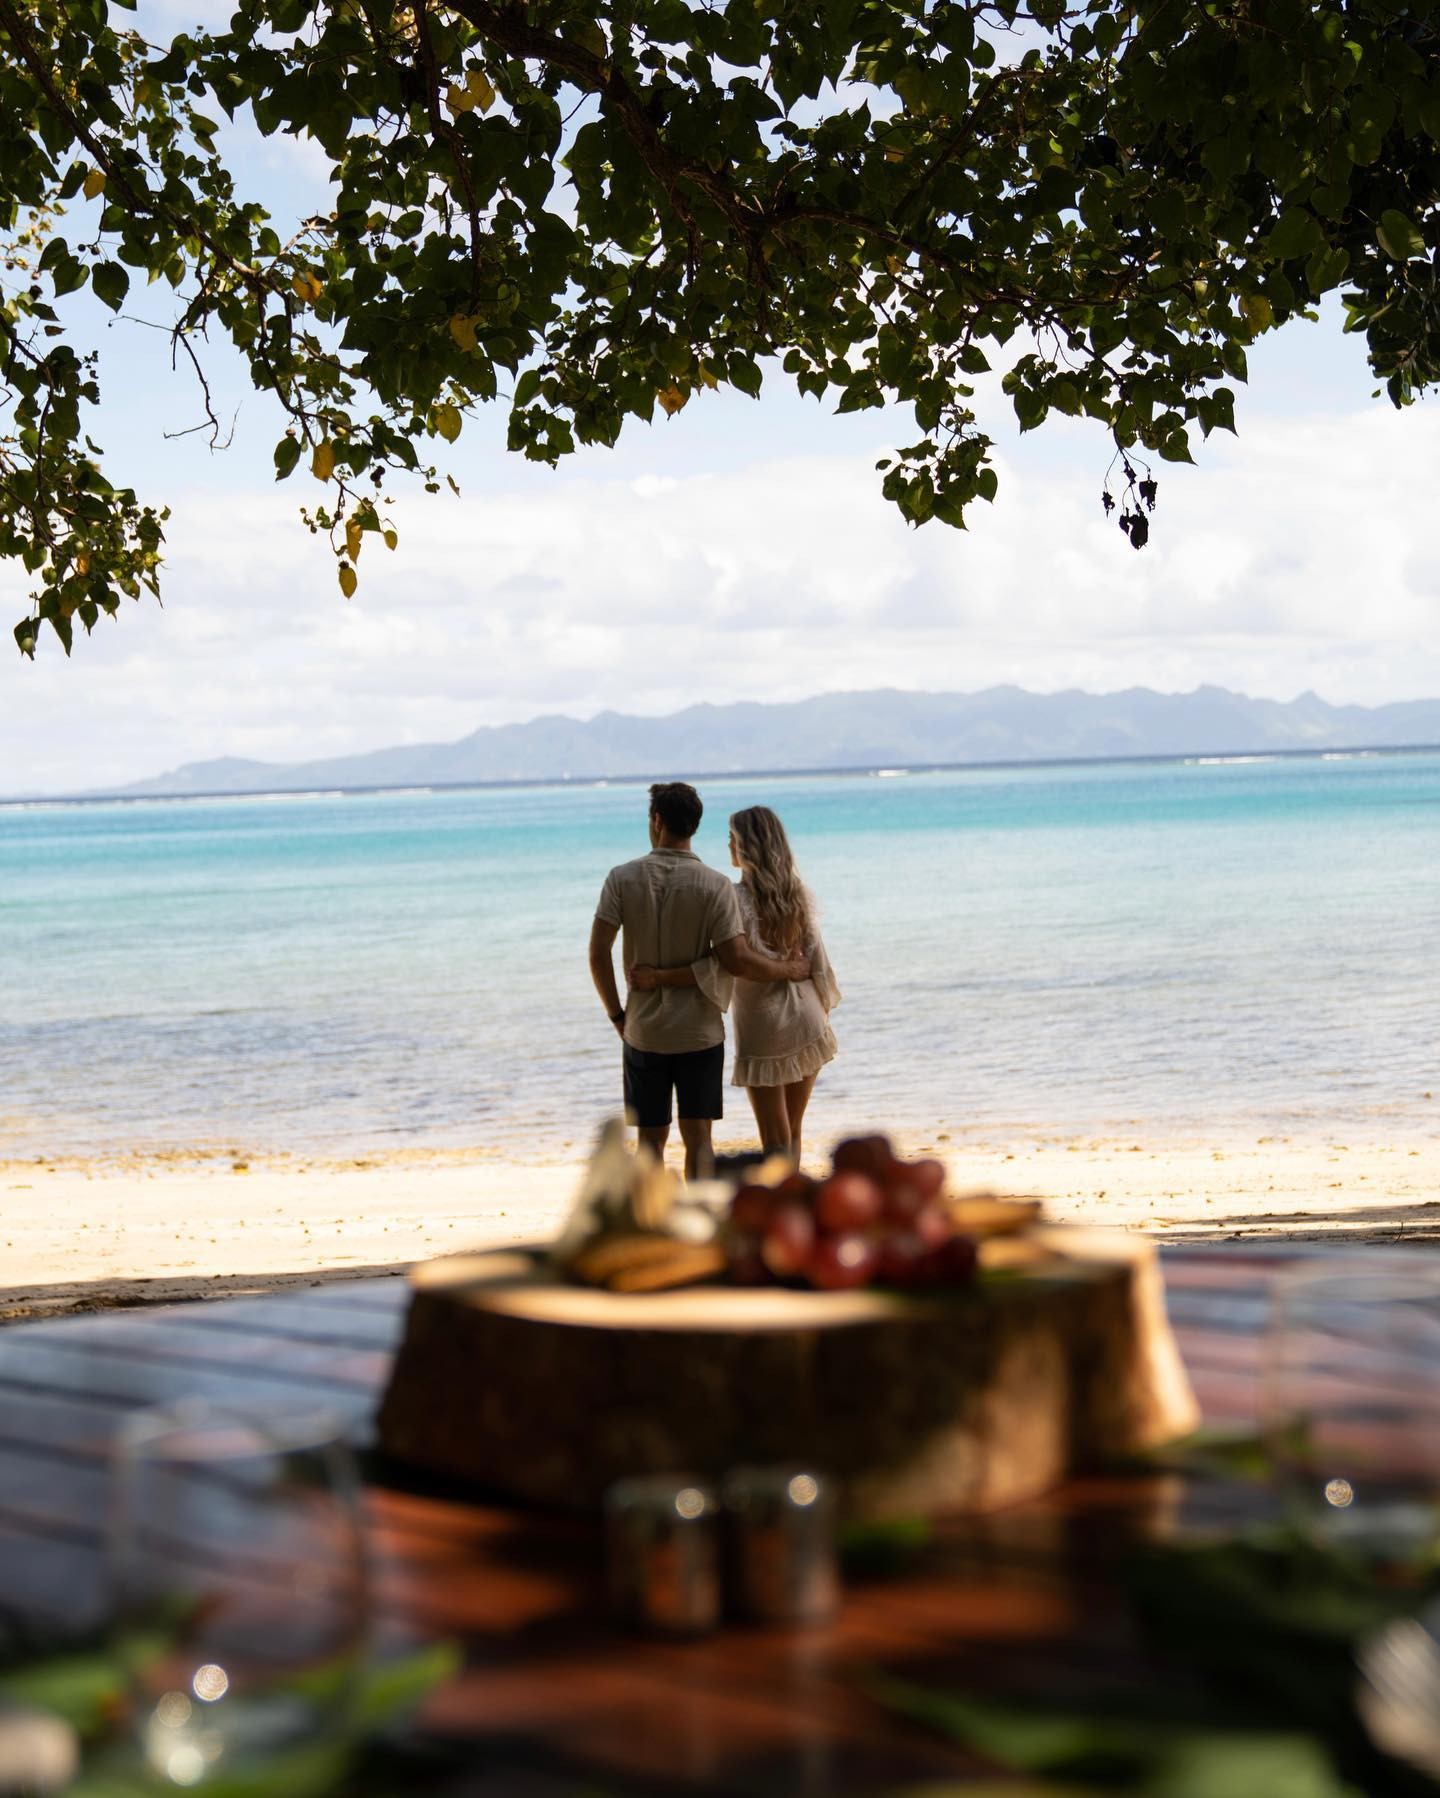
(769, 875)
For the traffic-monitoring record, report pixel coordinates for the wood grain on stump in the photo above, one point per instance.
(949, 1402)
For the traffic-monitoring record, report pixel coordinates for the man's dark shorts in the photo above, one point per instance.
(696, 1078)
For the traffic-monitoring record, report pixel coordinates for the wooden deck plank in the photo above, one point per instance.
(208, 1355)
(368, 1327)
(126, 1385)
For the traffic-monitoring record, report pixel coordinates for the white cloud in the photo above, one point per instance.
(1299, 557)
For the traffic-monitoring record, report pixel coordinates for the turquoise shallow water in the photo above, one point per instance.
(1186, 948)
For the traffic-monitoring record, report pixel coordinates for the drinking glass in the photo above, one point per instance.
(240, 1590)
(1352, 1402)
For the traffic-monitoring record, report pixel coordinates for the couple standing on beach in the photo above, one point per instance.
(692, 941)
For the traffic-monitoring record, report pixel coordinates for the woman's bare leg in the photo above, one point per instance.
(797, 1097)
(772, 1118)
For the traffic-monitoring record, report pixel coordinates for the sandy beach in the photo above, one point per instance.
(138, 1228)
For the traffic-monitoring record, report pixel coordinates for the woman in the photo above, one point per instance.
(782, 1028)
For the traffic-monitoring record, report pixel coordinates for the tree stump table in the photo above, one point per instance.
(949, 1401)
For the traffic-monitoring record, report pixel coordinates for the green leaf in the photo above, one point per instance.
(287, 454)
(743, 372)
(1399, 237)
(1259, 311)
(1296, 234)
(69, 274)
(1327, 268)
(111, 284)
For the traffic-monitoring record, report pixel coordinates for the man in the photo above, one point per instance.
(674, 911)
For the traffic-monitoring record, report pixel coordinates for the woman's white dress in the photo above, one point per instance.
(782, 1027)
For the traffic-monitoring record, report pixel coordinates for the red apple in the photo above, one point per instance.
(796, 1188)
(847, 1201)
(928, 1177)
(933, 1226)
(838, 1262)
(904, 1200)
(788, 1240)
(898, 1253)
(864, 1155)
(750, 1209)
(747, 1265)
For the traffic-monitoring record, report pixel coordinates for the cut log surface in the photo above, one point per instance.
(954, 1401)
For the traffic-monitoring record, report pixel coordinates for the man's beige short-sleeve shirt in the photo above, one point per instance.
(671, 909)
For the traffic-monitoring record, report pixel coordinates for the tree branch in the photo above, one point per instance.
(138, 198)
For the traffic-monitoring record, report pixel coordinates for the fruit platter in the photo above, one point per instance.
(934, 1351)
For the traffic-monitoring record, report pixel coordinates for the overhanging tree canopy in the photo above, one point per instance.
(586, 212)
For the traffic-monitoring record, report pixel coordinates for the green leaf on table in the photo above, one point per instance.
(1220, 1453)
(1262, 1590)
(1222, 1765)
(81, 1688)
(392, 1687)
(312, 1770)
(85, 1690)
(883, 1549)
(1148, 1756)
(996, 1788)
(1023, 1738)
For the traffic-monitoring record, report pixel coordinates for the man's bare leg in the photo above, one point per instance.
(699, 1153)
(655, 1137)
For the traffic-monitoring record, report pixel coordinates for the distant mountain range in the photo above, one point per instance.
(881, 729)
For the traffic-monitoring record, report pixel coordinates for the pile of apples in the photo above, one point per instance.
(876, 1219)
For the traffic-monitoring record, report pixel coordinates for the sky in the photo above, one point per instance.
(740, 550)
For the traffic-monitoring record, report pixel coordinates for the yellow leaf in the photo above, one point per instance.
(391, 539)
(453, 488)
(308, 286)
(592, 38)
(82, 562)
(894, 156)
(894, 264)
(672, 399)
(322, 463)
(447, 422)
(348, 582)
(482, 94)
(94, 183)
(462, 329)
(709, 379)
(458, 99)
(353, 536)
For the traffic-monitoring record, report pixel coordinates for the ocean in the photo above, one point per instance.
(1188, 949)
